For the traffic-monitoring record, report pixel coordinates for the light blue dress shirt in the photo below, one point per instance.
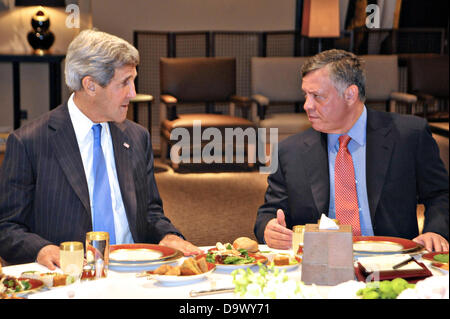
(85, 138)
(357, 148)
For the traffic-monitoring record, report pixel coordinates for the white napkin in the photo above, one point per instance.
(327, 223)
(384, 263)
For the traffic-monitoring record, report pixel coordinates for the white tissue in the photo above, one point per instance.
(327, 223)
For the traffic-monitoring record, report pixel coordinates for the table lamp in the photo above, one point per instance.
(40, 38)
(320, 19)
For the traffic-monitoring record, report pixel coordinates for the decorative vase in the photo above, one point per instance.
(40, 39)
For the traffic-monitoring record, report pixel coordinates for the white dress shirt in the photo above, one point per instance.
(85, 138)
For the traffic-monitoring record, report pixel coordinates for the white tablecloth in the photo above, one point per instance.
(125, 285)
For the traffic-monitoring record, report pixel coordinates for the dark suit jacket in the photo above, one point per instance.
(44, 197)
(403, 168)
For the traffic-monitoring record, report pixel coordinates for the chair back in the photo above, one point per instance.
(381, 76)
(193, 80)
(278, 78)
(429, 75)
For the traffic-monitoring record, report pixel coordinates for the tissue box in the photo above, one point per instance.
(327, 255)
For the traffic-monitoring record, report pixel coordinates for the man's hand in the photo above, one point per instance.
(276, 235)
(432, 242)
(48, 256)
(174, 241)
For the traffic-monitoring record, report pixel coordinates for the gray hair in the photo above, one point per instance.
(345, 69)
(97, 54)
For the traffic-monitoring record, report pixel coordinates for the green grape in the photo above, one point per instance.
(384, 289)
(412, 286)
(371, 295)
(398, 285)
(373, 284)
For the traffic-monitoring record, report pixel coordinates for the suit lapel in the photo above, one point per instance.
(67, 153)
(123, 150)
(378, 155)
(316, 155)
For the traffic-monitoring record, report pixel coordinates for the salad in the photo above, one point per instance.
(227, 255)
(9, 284)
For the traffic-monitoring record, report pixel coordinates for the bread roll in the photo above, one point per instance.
(246, 243)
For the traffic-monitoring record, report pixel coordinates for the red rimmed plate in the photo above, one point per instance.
(430, 256)
(139, 253)
(139, 267)
(441, 266)
(34, 285)
(383, 245)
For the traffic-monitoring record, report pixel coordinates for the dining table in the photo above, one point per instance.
(126, 284)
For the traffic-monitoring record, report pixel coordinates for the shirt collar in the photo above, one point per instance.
(357, 133)
(82, 125)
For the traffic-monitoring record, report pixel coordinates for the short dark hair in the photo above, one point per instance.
(345, 69)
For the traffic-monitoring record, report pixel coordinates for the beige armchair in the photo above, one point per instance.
(185, 82)
(382, 84)
(428, 79)
(277, 95)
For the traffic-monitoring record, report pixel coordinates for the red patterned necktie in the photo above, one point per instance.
(346, 200)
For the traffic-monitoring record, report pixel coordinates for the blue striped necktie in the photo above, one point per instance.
(102, 203)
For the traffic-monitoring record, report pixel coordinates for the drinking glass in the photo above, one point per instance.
(71, 258)
(97, 255)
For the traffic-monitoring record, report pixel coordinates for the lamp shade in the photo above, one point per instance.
(320, 19)
(44, 3)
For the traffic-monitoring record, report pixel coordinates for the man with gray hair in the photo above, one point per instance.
(83, 166)
(363, 167)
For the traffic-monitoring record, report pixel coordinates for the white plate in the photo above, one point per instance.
(378, 247)
(438, 266)
(272, 254)
(138, 267)
(138, 255)
(286, 267)
(234, 267)
(180, 280)
(383, 245)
